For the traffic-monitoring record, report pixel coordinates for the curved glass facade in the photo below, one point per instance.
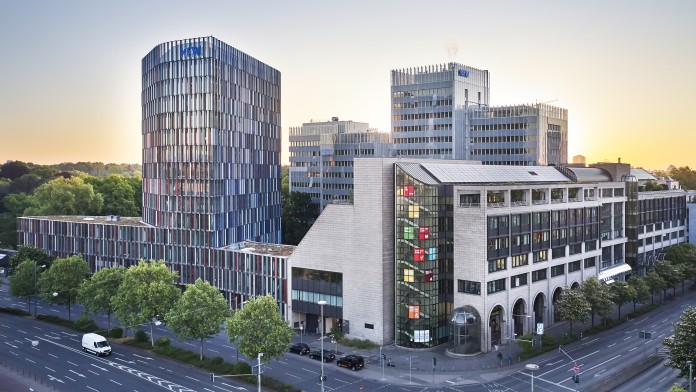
(465, 331)
(211, 145)
(424, 287)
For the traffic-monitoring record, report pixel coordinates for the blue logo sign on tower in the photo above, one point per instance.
(464, 73)
(190, 51)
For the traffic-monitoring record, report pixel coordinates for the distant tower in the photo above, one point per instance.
(211, 146)
(580, 159)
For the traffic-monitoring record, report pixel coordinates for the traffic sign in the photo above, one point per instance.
(576, 368)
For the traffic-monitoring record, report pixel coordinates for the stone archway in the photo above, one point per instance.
(575, 285)
(519, 317)
(539, 310)
(556, 296)
(495, 325)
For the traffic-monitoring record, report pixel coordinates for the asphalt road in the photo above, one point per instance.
(599, 358)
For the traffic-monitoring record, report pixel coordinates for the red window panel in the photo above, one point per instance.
(423, 233)
(418, 254)
(408, 190)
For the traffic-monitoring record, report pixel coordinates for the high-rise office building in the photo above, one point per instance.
(211, 143)
(322, 153)
(211, 177)
(443, 112)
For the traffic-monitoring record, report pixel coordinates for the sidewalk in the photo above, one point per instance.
(416, 366)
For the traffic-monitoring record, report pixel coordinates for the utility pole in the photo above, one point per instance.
(259, 370)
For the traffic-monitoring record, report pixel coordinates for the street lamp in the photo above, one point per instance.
(321, 338)
(258, 359)
(690, 376)
(512, 330)
(42, 266)
(532, 367)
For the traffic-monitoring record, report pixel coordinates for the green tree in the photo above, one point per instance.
(641, 291)
(119, 195)
(685, 176)
(199, 313)
(621, 293)
(670, 273)
(682, 347)
(599, 298)
(32, 254)
(23, 281)
(655, 283)
(677, 388)
(61, 282)
(259, 328)
(573, 306)
(298, 214)
(147, 292)
(13, 169)
(65, 196)
(96, 293)
(26, 183)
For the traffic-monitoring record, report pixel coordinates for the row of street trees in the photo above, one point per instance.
(146, 293)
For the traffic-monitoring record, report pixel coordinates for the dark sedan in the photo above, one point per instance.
(352, 362)
(325, 356)
(300, 348)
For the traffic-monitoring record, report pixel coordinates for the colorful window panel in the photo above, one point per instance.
(418, 254)
(428, 275)
(423, 233)
(413, 211)
(408, 233)
(432, 254)
(414, 312)
(408, 190)
(408, 275)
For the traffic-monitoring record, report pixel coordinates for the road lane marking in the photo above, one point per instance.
(74, 364)
(558, 367)
(632, 349)
(292, 375)
(600, 364)
(93, 372)
(91, 388)
(79, 374)
(628, 337)
(115, 382)
(613, 344)
(19, 330)
(631, 331)
(541, 379)
(71, 379)
(53, 355)
(29, 360)
(50, 369)
(215, 351)
(194, 379)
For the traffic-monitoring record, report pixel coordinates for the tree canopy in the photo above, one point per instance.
(259, 328)
(96, 293)
(32, 254)
(599, 298)
(573, 306)
(147, 292)
(682, 347)
(65, 196)
(61, 282)
(24, 280)
(298, 214)
(621, 293)
(199, 313)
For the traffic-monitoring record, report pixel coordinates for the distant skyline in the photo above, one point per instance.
(623, 69)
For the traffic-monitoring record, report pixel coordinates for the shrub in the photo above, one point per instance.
(162, 342)
(85, 324)
(140, 336)
(16, 312)
(116, 333)
(217, 361)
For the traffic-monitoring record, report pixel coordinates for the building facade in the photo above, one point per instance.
(476, 254)
(211, 176)
(322, 153)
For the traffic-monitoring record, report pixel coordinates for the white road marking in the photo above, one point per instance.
(71, 379)
(632, 349)
(79, 374)
(52, 355)
(292, 375)
(115, 382)
(92, 388)
(558, 367)
(29, 360)
(600, 364)
(194, 379)
(74, 364)
(50, 369)
(93, 372)
(627, 337)
(613, 344)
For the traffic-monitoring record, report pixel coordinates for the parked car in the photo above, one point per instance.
(352, 362)
(300, 348)
(322, 356)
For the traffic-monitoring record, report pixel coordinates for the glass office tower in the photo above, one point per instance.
(211, 146)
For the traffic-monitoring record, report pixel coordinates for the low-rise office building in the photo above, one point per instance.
(469, 255)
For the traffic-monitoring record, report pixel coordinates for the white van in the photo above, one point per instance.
(97, 344)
